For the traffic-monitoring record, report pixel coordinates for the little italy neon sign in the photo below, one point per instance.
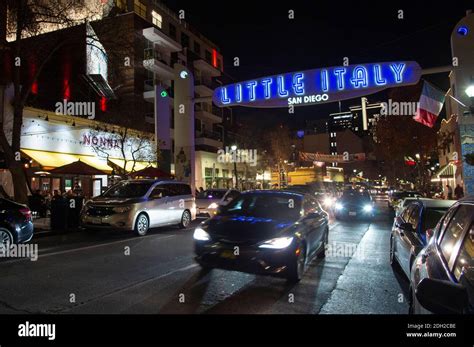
(318, 85)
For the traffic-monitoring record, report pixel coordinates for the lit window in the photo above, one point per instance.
(156, 19)
(122, 4)
(140, 8)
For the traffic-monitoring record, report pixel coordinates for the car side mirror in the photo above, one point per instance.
(440, 296)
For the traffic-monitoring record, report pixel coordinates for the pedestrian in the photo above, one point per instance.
(458, 192)
(449, 190)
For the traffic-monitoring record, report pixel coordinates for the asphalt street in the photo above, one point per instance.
(116, 272)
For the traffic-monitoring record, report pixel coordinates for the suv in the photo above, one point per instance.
(139, 205)
(442, 276)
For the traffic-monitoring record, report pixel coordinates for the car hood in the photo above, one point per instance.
(114, 201)
(204, 203)
(246, 229)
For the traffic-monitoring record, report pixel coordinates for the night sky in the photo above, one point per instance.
(322, 33)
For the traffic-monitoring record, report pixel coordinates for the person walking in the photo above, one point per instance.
(449, 191)
(458, 192)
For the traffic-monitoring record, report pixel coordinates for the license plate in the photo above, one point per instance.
(96, 220)
(352, 213)
(228, 254)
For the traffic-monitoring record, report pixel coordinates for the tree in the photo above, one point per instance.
(131, 145)
(28, 18)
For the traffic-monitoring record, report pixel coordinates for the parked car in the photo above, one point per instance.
(139, 205)
(354, 204)
(442, 276)
(209, 200)
(264, 232)
(16, 224)
(408, 235)
(396, 197)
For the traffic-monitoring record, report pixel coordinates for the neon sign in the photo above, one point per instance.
(318, 86)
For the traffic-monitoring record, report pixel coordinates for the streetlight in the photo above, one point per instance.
(417, 155)
(234, 149)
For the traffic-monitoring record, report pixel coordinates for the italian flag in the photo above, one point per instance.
(430, 105)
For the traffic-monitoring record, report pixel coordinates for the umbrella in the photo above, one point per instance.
(77, 168)
(151, 171)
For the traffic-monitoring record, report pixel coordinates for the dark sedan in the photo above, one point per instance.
(442, 276)
(354, 204)
(264, 232)
(16, 224)
(410, 227)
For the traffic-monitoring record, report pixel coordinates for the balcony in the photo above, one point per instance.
(161, 39)
(156, 62)
(205, 67)
(207, 138)
(205, 111)
(204, 86)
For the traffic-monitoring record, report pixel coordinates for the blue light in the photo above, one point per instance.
(463, 30)
(224, 97)
(238, 92)
(298, 83)
(266, 82)
(251, 86)
(340, 72)
(282, 92)
(398, 71)
(300, 134)
(359, 77)
(378, 76)
(324, 80)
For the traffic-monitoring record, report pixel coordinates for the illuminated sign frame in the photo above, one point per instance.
(318, 86)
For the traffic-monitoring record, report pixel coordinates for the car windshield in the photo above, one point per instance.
(211, 194)
(126, 189)
(352, 195)
(432, 216)
(275, 206)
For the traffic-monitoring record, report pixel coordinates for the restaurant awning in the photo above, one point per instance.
(446, 171)
(54, 159)
(77, 168)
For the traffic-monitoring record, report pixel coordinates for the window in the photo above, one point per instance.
(208, 57)
(180, 189)
(184, 40)
(454, 230)
(156, 19)
(465, 261)
(197, 48)
(414, 217)
(172, 31)
(122, 4)
(140, 8)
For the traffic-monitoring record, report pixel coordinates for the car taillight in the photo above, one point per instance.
(26, 212)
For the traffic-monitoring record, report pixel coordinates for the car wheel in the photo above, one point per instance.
(322, 253)
(6, 239)
(297, 267)
(185, 220)
(142, 225)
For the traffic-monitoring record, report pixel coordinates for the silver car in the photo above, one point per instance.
(209, 200)
(139, 205)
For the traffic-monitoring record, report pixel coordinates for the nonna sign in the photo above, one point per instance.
(318, 85)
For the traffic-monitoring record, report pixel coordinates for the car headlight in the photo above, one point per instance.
(201, 235)
(213, 206)
(328, 201)
(277, 243)
(368, 208)
(122, 209)
(338, 206)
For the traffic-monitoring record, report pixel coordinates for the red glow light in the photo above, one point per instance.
(214, 57)
(103, 104)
